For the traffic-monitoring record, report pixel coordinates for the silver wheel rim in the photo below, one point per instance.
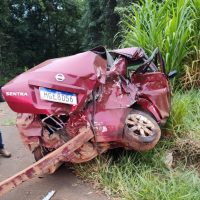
(140, 125)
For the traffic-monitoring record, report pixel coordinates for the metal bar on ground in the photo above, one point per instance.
(43, 165)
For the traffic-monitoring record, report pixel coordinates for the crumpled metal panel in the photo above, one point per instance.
(76, 122)
(29, 124)
(109, 124)
(115, 96)
(154, 87)
(134, 53)
(34, 134)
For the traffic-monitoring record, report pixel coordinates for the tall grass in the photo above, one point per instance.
(191, 73)
(169, 25)
(185, 114)
(191, 76)
(196, 18)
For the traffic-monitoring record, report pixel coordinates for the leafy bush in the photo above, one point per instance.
(170, 25)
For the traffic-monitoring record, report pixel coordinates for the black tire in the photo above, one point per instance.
(1, 96)
(141, 131)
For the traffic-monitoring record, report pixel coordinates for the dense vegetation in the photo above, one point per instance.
(32, 31)
(172, 26)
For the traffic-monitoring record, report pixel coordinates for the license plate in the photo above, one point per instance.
(58, 96)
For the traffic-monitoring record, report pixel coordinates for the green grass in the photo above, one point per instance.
(185, 114)
(135, 176)
(128, 175)
(172, 25)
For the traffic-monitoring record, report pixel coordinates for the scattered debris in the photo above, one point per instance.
(168, 160)
(89, 193)
(49, 195)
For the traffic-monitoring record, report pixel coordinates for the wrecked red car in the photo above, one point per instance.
(121, 97)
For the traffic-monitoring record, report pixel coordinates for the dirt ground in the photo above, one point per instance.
(66, 184)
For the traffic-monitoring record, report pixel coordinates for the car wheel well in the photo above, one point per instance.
(137, 106)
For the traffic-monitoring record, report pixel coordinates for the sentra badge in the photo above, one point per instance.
(19, 94)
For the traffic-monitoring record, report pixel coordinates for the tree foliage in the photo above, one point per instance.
(44, 29)
(100, 23)
(32, 31)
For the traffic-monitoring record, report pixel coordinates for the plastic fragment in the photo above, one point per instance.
(49, 195)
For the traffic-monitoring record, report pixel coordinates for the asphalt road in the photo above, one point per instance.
(64, 182)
